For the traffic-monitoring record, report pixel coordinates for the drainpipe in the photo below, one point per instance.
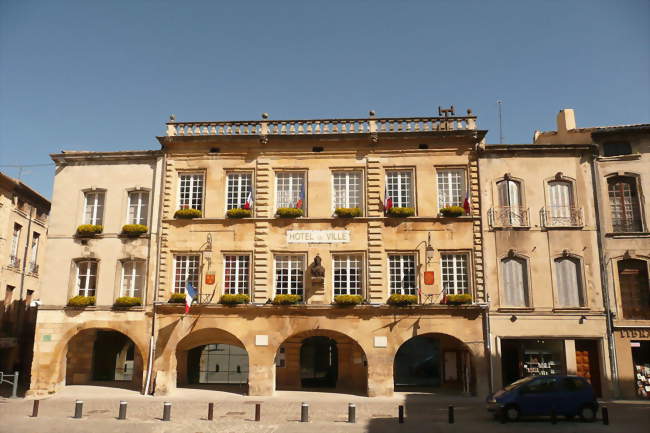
(21, 306)
(613, 364)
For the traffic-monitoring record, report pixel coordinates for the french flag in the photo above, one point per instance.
(466, 205)
(301, 197)
(190, 293)
(388, 200)
(249, 200)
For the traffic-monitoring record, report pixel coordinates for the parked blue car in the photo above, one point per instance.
(539, 395)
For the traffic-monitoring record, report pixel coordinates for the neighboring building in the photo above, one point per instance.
(23, 235)
(76, 345)
(542, 263)
(622, 173)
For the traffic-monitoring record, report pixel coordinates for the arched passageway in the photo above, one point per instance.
(103, 357)
(321, 359)
(433, 362)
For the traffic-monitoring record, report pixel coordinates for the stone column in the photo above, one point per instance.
(380, 372)
(261, 371)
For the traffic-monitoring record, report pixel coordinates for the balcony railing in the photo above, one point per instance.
(621, 225)
(508, 216)
(561, 216)
(33, 268)
(14, 261)
(322, 126)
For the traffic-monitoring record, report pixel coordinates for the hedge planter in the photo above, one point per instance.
(81, 301)
(177, 298)
(289, 212)
(400, 212)
(187, 214)
(239, 213)
(89, 230)
(348, 300)
(452, 211)
(232, 299)
(287, 299)
(128, 301)
(461, 299)
(402, 300)
(347, 212)
(134, 230)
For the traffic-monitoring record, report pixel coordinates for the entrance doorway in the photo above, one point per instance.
(587, 364)
(113, 357)
(318, 362)
(417, 363)
(217, 363)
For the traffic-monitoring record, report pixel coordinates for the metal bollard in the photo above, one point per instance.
(258, 411)
(553, 416)
(450, 414)
(502, 415)
(352, 413)
(14, 389)
(78, 409)
(400, 414)
(122, 412)
(605, 415)
(167, 411)
(304, 412)
(35, 408)
(210, 411)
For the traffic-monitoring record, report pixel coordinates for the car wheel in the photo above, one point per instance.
(587, 413)
(511, 413)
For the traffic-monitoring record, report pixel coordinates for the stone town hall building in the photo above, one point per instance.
(451, 237)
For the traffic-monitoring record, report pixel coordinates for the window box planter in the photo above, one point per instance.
(462, 299)
(289, 212)
(287, 299)
(127, 301)
(234, 299)
(239, 213)
(89, 230)
(347, 212)
(402, 300)
(400, 212)
(452, 211)
(177, 298)
(187, 214)
(348, 300)
(134, 230)
(81, 301)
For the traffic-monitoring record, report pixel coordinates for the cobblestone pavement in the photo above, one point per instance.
(328, 413)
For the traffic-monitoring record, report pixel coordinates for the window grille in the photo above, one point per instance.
(235, 274)
(347, 274)
(190, 191)
(402, 274)
(290, 188)
(239, 185)
(451, 187)
(348, 189)
(455, 279)
(186, 268)
(289, 274)
(399, 186)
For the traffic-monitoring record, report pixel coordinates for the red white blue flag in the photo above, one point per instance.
(301, 197)
(388, 200)
(466, 205)
(190, 293)
(249, 200)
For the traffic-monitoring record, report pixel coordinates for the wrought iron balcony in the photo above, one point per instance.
(33, 268)
(14, 261)
(561, 216)
(623, 225)
(508, 217)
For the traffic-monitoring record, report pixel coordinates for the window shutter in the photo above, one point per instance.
(569, 282)
(515, 282)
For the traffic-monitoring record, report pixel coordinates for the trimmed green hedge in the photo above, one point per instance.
(128, 301)
(232, 299)
(134, 229)
(286, 299)
(239, 213)
(452, 211)
(89, 229)
(464, 298)
(348, 299)
(402, 300)
(401, 212)
(81, 301)
(289, 212)
(177, 298)
(347, 212)
(188, 214)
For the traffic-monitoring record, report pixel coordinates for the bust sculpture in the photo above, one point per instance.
(317, 269)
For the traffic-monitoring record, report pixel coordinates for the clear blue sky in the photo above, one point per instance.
(105, 75)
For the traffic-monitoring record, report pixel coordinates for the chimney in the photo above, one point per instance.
(566, 120)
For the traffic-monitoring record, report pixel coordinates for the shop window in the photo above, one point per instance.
(138, 207)
(348, 189)
(186, 270)
(455, 275)
(190, 191)
(624, 204)
(451, 187)
(289, 274)
(641, 361)
(635, 288)
(568, 274)
(94, 207)
(347, 274)
(399, 187)
(515, 282)
(236, 274)
(402, 269)
(617, 148)
(240, 185)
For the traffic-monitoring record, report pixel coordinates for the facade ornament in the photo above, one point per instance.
(264, 139)
(172, 118)
(317, 269)
(511, 253)
(628, 254)
(374, 138)
(565, 253)
(507, 176)
(559, 175)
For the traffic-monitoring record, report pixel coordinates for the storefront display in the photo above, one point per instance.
(527, 357)
(641, 360)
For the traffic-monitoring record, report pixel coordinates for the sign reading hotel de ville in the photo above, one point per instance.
(318, 236)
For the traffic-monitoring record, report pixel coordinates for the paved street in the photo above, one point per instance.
(281, 413)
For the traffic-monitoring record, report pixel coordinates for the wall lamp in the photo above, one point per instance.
(582, 319)
(429, 249)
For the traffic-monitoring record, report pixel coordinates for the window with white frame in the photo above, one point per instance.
(347, 274)
(515, 282)
(239, 186)
(290, 189)
(36, 237)
(15, 240)
(561, 200)
(403, 274)
(86, 277)
(451, 187)
(94, 207)
(399, 187)
(235, 274)
(455, 279)
(132, 278)
(568, 275)
(186, 269)
(190, 191)
(289, 274)
(348, 189)
(138, 207)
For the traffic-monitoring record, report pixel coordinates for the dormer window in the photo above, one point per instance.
(617, 148)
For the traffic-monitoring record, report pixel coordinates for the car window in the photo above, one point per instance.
(573, 384)
(541, 385)
(518, 383)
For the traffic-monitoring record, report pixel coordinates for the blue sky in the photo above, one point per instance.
(105, 75)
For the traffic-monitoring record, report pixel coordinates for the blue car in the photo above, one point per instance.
(539, 395)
